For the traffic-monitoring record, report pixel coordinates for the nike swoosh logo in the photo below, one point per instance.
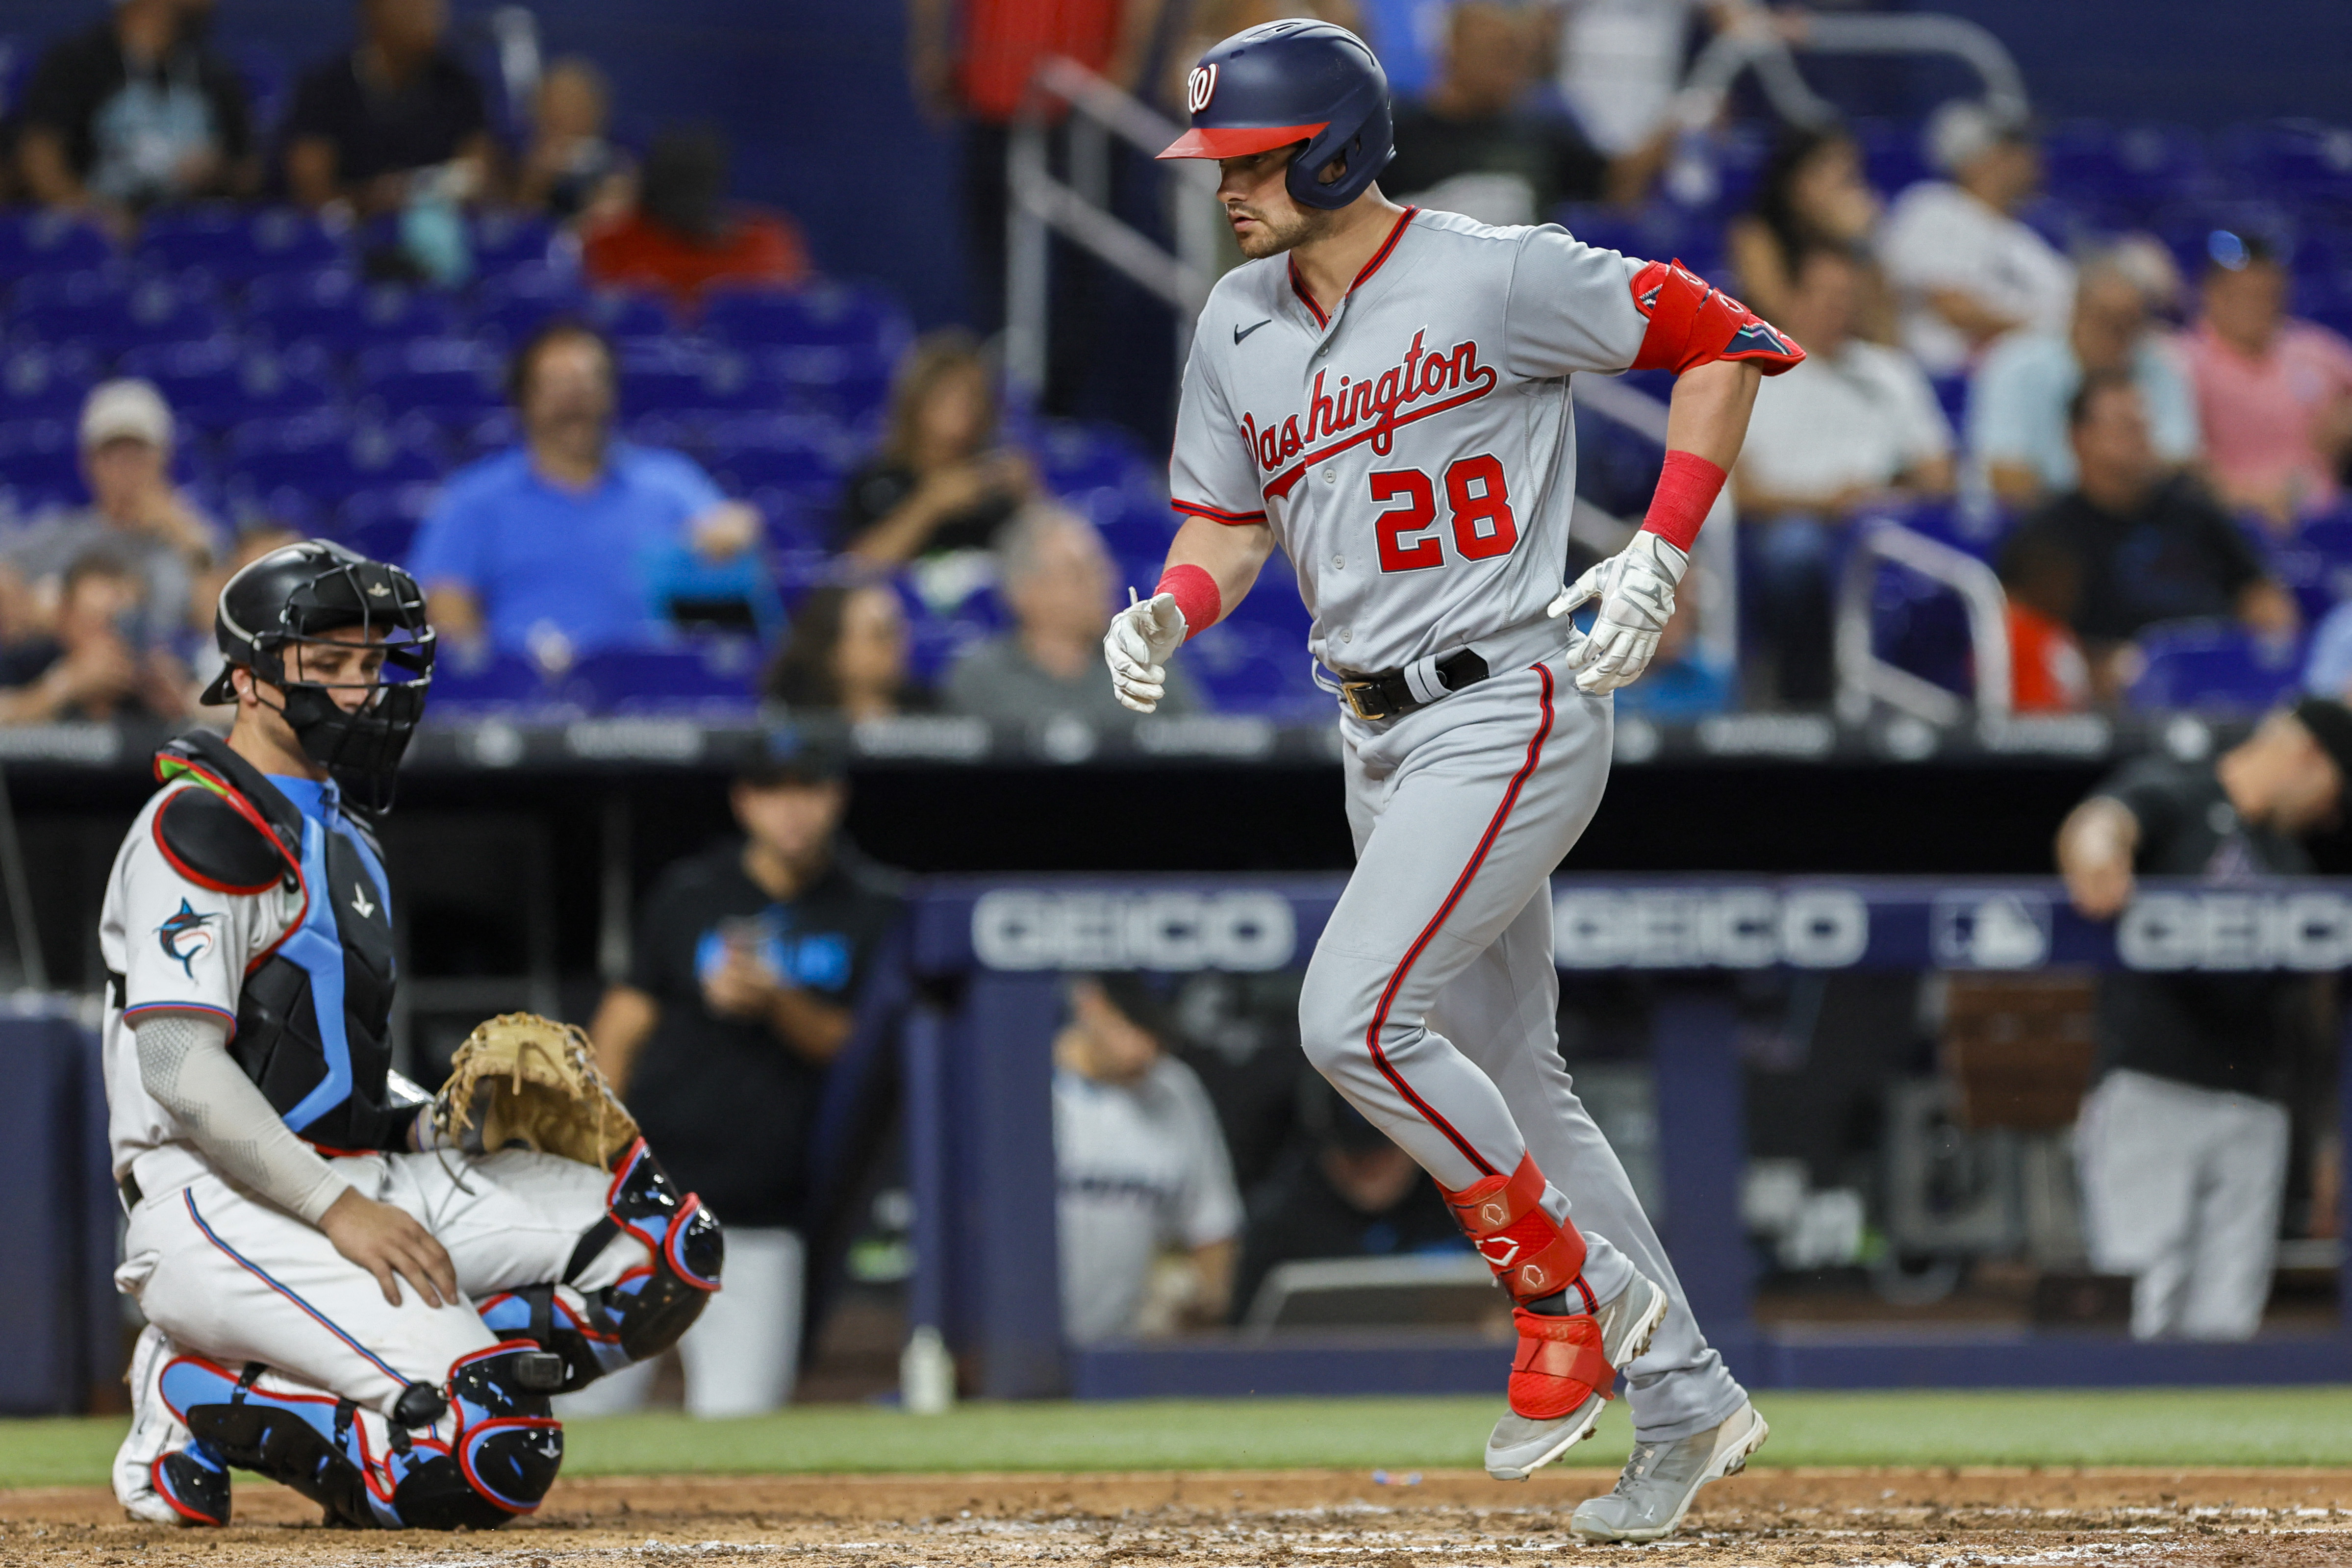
(1241, 333)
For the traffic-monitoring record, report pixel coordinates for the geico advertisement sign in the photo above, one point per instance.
(1710, 928)
(2236, 930)
(1014, 927)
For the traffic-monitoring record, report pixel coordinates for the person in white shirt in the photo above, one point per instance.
(1964, 269)
(1855, 424)
(2017, 401)
(1141, 1165)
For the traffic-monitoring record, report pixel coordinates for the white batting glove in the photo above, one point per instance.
(1136, 646)
(1636, 591)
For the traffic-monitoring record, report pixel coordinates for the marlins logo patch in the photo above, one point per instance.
(186, 937)
(1200, 87)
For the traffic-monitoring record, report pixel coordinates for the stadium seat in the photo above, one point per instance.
(831, 315)
(513, 307)
(107, 315)
(37, 382)
(39, 457)
(1255, 670)
(627, 317)
(451, 381)
(505, 241)
(236, 246)
(218, 382)
(488, 679)
(333, 469)
(36, 242)
(343, 314)
(848, 382)
(664, 376)
(717, 675)
(381, 523)
(1073, 456)
(2214, 667)
(793, 451)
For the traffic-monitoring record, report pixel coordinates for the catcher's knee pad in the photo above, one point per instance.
(645, 1311)
(499, 1457)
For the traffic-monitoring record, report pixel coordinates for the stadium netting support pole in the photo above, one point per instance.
(1702, 1155)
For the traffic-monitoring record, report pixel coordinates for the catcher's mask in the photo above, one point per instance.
(291, 598)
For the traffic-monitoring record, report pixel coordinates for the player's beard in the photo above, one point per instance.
(1272, 236)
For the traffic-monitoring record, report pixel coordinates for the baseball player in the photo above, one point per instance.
(1384, 393)
(337, 1297)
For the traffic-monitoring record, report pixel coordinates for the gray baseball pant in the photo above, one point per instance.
(1432, 1000)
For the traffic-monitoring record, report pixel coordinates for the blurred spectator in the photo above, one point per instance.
(1621, 61)
(554, 548)
(685, 236)
(2141, 547)
(135, 513)
(1813, 197)
(1055, 578)
(370, 126)
(1139, 1162)
(2047, 671)
(2017, 402)
(136, 111)
(2183, 1143)
(1965, 270)
(571, 170)
(1343, 1190)
(1855, 424)
(746, 960)
(2275, 394)
(847, 655)
(1472, 145)
(940, 480)
(90, 665)
(2327, 667)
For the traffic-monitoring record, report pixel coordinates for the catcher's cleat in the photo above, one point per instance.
(1656, 1486)
(1561, 1378)
(194, 1482)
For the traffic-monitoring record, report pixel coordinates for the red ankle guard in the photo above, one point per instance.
(1533, 1255)
(1560, 1364)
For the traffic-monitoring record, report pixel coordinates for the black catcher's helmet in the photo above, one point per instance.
(293, 597)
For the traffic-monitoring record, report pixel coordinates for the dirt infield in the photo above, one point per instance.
(1273, 1520)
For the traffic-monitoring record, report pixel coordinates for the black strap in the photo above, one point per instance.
(245, 1380)
(1391, 695)
(593, 1242)
(118, 990)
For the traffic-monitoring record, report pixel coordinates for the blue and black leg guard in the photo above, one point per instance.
(499, 1460)
(647, 1309)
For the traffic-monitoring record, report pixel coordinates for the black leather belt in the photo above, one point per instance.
(1390, 696)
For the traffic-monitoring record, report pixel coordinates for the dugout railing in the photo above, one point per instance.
(990, 956)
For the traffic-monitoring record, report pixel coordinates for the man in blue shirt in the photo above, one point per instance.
(555, 549)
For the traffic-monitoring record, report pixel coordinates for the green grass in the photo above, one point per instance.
(2139, 1426)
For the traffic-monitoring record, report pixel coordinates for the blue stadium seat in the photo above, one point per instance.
(40, 457)
(216, 383)
(793, 451)
(107, 315)
(1257, 671)
(1073, 456)
(833, 315)
(489, 679)
(236, 246)
(664, 376)
(38, 383)
(453, 382)
(381, 523)
(504, 241)
(513, 307)
(717, 675)
(849, 382)
(343, 314)
(2315, 565)
(35, 242)
(2214, 667)
(627, 317)
(331, 471)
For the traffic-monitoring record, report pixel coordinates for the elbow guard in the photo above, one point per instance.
(1693, 322)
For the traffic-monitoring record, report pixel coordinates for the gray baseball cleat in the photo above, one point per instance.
(1656, 1486)
(1520, 1445)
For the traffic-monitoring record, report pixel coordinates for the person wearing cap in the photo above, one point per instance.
(135, 514)
(2183, 1143)
(1965, 270)
(746, 961)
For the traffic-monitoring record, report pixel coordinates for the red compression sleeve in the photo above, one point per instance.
(1687, 490)
(1196, 595)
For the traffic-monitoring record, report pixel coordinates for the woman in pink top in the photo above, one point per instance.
(2274, 396)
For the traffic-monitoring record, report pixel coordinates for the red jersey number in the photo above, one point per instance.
(1477, 498)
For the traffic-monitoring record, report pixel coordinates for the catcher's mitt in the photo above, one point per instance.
(521, 1078)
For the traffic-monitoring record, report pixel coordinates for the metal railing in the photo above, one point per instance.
(1762, 46)
(1864, 679)
(1079, 210)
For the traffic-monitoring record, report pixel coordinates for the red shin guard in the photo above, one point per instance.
(1532, 1254)
(1560, 1364)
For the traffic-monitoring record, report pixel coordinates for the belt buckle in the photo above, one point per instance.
(1351, 693)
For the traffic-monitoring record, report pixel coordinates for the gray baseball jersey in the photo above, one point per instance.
(1413, 451)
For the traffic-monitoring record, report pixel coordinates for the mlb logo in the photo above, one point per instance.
(1991, 931)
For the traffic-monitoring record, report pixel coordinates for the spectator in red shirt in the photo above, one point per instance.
(685, 236)
(2273, 394)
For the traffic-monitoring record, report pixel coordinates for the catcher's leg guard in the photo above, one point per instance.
(644, 1312)
(195, 1481)
(1559, 1364)
(499, 1462)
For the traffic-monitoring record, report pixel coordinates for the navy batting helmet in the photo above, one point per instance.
(1294, 81)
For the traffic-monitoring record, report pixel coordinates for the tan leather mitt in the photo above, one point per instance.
(521, 1078)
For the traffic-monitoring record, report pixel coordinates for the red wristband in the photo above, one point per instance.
(1687, 487)
(1196, 595)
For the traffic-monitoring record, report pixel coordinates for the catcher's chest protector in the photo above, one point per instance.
(313, 1017)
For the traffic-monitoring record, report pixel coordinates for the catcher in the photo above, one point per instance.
(364, 1294)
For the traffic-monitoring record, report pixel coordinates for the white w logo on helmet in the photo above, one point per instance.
(1199, 86)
